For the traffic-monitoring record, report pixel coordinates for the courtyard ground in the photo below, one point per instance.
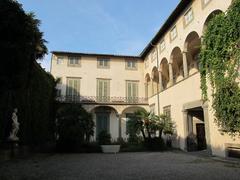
(125, 166)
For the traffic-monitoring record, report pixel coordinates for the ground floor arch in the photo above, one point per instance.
(112, 118)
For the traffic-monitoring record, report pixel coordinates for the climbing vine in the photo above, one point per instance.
(220, 67)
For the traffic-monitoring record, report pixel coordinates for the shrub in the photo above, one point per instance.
(104, 138)
(74, 126)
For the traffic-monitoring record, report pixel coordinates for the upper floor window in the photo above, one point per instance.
(131, 64)
(103, 90)
(103, 63)
(188, 16)
(152, 108)
(162, 45)
(146, 63)
(154, 55)
(173, 33)
(59, 60)
(167, 111)
(73, 61)
(132, 91)
(73, 87)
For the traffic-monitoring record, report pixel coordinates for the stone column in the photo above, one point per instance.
(146, 89)
(160, 80)
(185, 64)
(152, 83)
(119, 126)
(170, 74)
(207, 128)
(185, 125)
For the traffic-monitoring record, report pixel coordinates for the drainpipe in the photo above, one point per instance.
(158, 100)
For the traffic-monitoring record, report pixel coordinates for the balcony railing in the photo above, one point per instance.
(102, 100)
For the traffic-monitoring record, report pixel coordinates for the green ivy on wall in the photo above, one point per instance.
(220, 64)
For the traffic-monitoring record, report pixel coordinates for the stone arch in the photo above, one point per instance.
(164, 68)
(155, 80)
(93, 108)
(106, 117)
(147, 85)
(127, 114)
(209, 18)
(192, 46)
(176, 60)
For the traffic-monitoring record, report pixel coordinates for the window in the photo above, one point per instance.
(73, 88)
(188, 17)
(167, 111)
(103, 90)
(152, 108)
(131, 64)
(162, 45)
(173, 33)
(73, 61)
(146, 63)
(59, 60)
(154, 55)
(103, 63)
(132, 91)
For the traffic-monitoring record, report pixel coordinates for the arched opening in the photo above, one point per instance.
(192, 49)
(126, 115)
(209, 18)
(106, 119)
(177, 64)
(155, 81)
(147, 86)
(165, 73)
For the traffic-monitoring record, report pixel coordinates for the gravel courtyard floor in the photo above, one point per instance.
(153, 165)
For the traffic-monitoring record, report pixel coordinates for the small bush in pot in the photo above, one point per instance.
(104, 138)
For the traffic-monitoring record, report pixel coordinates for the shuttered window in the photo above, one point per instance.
(103, 63)
(132, 91)
(103, 90)
(73, 87)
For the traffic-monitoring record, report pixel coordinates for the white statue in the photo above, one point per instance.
(15, 126)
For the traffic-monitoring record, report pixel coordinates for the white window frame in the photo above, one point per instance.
(73, 88)
(162, 45)
(74, 61)
(131, 64)
(59, 60)
(103, 63)
(173, 33)
(188, 17)
(154, 54)
(103, 90)
(132, 95)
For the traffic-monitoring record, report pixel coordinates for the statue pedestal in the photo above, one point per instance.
(14, 147)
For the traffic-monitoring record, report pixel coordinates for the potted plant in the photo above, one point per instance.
(104, 139)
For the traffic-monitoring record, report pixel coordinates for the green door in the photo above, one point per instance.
(102, 122)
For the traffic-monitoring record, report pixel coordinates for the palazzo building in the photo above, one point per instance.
(164, 78)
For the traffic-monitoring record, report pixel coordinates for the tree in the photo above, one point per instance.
(150, 123)
(75, 125)
(220, 64)
(21, 45)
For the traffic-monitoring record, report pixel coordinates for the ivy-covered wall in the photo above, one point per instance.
(220, 65)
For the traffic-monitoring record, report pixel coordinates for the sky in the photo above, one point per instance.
(122, 27)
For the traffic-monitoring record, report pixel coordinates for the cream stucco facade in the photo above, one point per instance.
(167, 78)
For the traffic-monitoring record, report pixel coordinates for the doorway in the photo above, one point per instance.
(196, 136)
(103, 122)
